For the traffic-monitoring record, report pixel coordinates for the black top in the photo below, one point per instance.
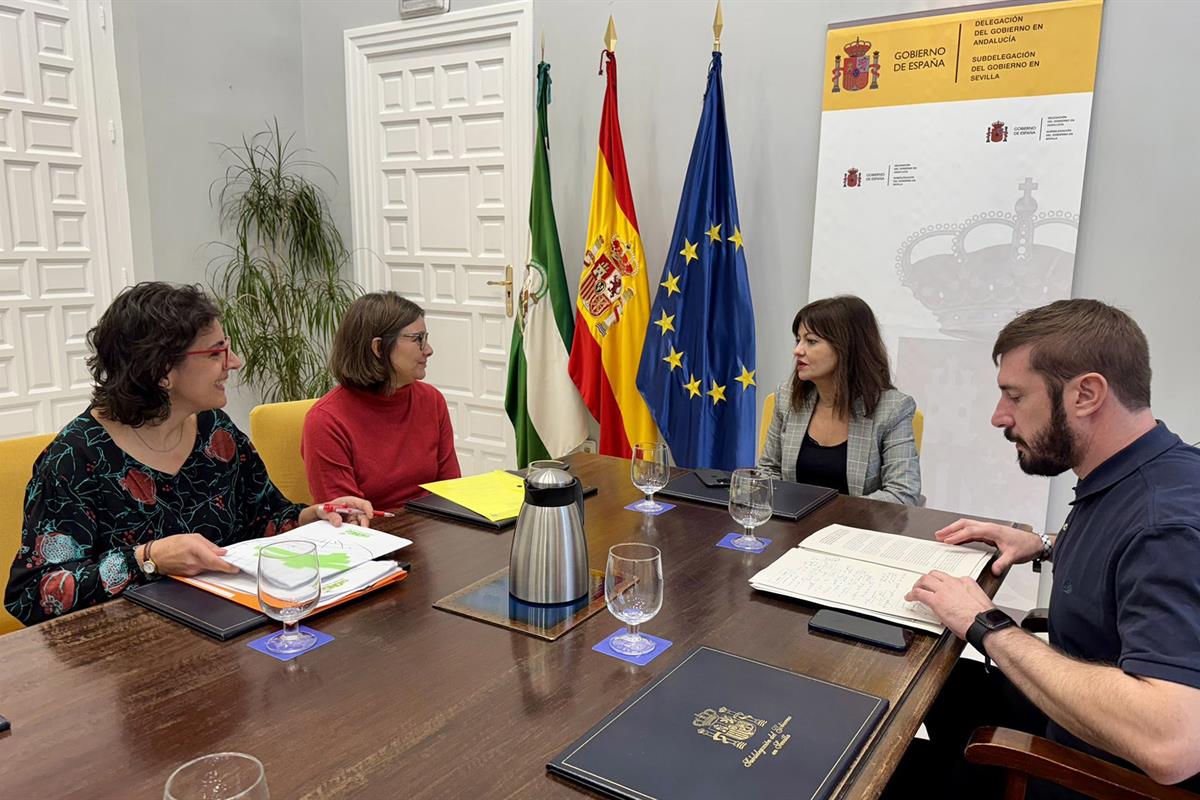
(1125, 587)
(819, 465)
(89, 504)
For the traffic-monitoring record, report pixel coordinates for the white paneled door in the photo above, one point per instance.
(440, 129)
(55, 274)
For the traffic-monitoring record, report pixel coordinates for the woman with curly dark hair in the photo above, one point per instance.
(152, 478)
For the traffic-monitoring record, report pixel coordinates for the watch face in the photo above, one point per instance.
(994, 616)
(148, 567)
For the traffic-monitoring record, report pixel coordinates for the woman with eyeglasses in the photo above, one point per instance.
(382, 431)
(838, 420)
(152, 478)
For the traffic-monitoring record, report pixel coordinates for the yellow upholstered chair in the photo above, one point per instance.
(275, 429)
(918, 428)
(768, 412)
(16, 467)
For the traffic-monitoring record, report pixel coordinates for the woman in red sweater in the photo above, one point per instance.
(382, 431)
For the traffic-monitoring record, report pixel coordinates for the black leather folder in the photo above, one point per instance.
(199, 610)
(722, 726)
(433, 504)
(792, 500)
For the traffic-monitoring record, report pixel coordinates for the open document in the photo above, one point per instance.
(346, 555)
(868, 572)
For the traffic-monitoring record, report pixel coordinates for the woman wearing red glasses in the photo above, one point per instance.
(152, 479)
(382, 431)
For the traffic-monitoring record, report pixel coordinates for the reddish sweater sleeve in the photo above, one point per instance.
(326, 449)
(447, 458)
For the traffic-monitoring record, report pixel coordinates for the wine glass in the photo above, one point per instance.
(289, 586)
(218, 776)
(633, 589)
(751, 497)
(649, 470)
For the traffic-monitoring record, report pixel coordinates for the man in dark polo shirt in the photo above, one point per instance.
(1120, 678)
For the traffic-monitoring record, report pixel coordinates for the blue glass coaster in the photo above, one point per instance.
(260, 644)
(729, 537)
(660, 646)
(665, 508)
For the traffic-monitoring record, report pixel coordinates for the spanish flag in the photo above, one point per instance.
(612, 310)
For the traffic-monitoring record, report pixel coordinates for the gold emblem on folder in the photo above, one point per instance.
(727, 726)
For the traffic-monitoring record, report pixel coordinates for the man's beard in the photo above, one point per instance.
(1054, 450)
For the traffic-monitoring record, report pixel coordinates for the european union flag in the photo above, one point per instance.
(697, 367)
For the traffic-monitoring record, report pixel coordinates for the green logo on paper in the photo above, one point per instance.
(359, 534)
(330, 561)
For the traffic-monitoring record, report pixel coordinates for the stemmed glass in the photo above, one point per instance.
(289, 586)
(633, 589)
(649, 470)
(751, 498)
(219, 776)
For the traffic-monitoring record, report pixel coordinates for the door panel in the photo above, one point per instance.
(440, 125)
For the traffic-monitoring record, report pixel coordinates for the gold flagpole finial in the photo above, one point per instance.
(718, 25)
(543, 43)
(610, 36)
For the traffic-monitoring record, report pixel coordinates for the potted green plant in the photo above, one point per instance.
(279, 284)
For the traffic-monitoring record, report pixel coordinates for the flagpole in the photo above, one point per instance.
(718, 25)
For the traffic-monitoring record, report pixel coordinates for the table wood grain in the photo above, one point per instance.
(412, 701)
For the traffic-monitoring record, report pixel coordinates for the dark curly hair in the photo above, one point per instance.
(140, 338)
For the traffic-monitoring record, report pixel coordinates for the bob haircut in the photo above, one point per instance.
(377, 315)
(862, 372)
(140, 338)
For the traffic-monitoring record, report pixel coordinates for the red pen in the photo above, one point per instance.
(351, 510)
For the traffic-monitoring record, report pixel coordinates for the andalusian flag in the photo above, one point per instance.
(613, 307)
(545, 407)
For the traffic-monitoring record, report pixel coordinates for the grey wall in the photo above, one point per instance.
(236, 64)
(193, 76)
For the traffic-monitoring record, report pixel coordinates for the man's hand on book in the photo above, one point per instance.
(955, 601)
(1015, 546)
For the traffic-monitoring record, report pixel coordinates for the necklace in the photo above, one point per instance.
(149, 446)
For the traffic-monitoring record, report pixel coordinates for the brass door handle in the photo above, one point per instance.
(507, 283)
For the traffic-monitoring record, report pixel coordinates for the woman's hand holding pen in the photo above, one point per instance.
(353, 509)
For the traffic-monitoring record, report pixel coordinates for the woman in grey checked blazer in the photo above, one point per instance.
(838, 420)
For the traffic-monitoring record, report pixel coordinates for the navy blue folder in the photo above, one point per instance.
(722, 726)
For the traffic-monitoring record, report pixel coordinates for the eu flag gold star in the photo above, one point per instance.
(688, 251)
(736, 239)
(672, 284)
(746, 379)
(714, 233)
(717, 393)
(693, 386)
(665, 323)
(675, 359)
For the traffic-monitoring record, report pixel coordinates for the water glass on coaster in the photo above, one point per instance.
(649, 470)
(751, 499)
(289, 587)
(218, 776)
(633, 590)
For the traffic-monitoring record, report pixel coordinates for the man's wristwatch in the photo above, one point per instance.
(148, 567)
(986, 622)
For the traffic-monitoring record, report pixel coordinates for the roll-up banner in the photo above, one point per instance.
(951, 166)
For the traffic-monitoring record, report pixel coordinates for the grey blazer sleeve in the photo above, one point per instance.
(899, 476)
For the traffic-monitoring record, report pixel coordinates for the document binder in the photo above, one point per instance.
(440, 506)
(722, 726)
(792, 500)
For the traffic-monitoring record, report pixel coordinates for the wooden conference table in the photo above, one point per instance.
(411, 701)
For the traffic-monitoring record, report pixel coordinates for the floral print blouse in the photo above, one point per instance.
(89, 504)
